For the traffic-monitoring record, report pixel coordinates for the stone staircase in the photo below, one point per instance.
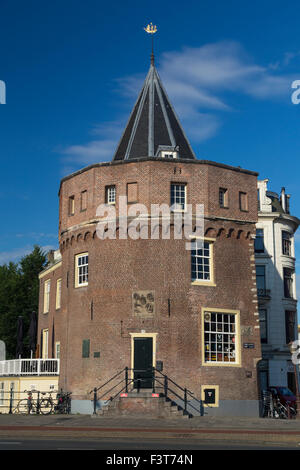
(145, 404)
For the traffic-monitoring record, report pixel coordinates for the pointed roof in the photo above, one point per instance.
(153, 125)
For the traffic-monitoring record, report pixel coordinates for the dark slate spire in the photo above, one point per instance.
(153, 129)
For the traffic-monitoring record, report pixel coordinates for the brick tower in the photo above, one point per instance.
(141, 302)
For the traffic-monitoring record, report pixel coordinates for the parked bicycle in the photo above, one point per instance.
(63, 405)
(29, 405)
(283, 412)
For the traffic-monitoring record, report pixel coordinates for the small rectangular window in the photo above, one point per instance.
(223, 197)
(81, 270)
(58, 294)
(83, 200)
(71, 205)
(286, 243)
(178, 196)
(243, 201)
(47, 296)
(86, 348)
(110, 194)
(132, 192)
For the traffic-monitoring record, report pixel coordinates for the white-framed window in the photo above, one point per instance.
(178, 195)
(45, 334)
(110, 196)
(169, 154)
(202, 262)
(57, 350)
(286, 243)
(47, 295)
(71, 207)
(58, 294)
(221, 336)
(81, 269)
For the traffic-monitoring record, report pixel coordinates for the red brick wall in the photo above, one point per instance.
(102, 311)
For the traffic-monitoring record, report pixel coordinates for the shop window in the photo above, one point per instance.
(220, 337)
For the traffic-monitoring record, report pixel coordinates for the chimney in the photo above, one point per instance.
(283, 200)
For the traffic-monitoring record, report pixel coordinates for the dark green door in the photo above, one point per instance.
(143, 357)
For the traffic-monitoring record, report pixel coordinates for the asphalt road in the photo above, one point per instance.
(103, 444)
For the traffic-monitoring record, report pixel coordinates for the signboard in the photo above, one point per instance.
(248, 345)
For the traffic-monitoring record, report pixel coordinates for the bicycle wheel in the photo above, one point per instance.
(45, 406)
(23, 408)
(283, 412)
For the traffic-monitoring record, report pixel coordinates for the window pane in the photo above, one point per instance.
(259, 241)
(178, 195)
(219, 347)
(200, 259)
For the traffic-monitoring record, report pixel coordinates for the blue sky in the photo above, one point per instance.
(73, 70)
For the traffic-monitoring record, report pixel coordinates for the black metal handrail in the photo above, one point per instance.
(164, 385)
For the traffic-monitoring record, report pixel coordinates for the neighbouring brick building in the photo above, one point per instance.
(110, 303)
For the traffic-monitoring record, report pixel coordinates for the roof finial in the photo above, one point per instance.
(151, 29)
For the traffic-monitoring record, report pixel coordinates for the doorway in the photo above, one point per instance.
(142, 361)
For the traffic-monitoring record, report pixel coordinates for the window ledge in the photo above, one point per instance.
(203, 283)
(221, 364)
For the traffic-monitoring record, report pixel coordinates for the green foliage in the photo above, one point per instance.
(19, 294)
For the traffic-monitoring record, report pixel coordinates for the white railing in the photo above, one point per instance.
(29, 367)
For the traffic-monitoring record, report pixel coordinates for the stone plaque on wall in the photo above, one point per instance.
(143, 303)
(247, 330)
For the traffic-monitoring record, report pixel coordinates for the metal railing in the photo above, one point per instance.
(264, 293)
(161, 384)
(29, 367)
(34, 402)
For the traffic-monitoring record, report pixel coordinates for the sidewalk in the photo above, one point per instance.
(217, 428)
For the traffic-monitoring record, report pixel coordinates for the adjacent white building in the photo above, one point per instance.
(276, 286)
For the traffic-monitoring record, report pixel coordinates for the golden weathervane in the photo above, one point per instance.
(151, 29)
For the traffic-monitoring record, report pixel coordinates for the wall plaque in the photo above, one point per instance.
(143, 303)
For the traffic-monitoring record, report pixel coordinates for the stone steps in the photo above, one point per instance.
(145, 405)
